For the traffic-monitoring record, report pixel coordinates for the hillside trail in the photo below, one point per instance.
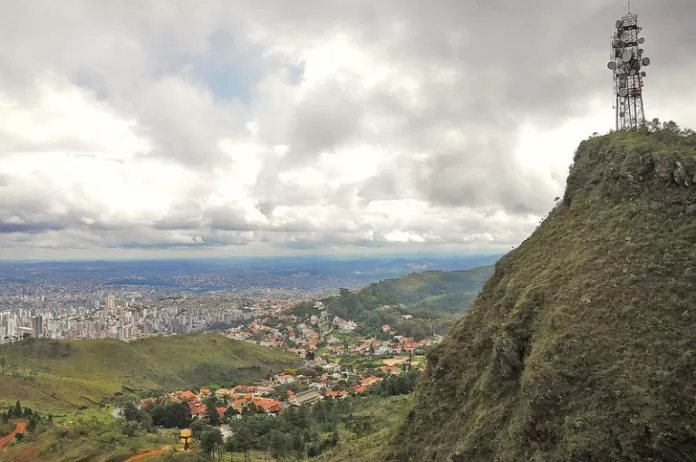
(19, 428)
(145, 454)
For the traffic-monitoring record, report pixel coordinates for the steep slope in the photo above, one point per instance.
(581, 345)
(60, 375)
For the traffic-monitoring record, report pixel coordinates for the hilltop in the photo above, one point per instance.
(428, 299)
(581, 345)
(434, 291)
(58, 375)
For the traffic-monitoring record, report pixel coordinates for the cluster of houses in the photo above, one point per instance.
(285, 331)
(233, 401)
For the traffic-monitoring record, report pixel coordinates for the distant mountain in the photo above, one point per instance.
(432, 291)
(61, 375)
(417, 305)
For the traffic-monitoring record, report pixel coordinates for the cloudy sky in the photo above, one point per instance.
(164, 127)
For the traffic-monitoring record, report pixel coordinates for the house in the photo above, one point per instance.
(269, 406)
(305, 397)
(284, 379)
(317, 386)
(331, 367)
(337, 394)
(204, 391)
(185, 395)
(197, 408)
(224, 392)
(369, 381)
(394, 370)
(359, 389)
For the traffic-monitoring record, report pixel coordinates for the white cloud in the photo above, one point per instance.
(264, 127)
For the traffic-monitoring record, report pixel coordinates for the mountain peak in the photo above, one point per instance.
(581, 345)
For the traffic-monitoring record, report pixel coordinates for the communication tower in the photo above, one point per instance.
(626, 63)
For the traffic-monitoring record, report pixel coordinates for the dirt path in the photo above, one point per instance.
(19, 428)
(145, 454)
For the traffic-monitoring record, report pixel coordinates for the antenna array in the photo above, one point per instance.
(626, 63)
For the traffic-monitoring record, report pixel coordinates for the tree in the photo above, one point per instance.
(211, 412)
(278, 448)
(17, 411)
(198, 427)
(230, 446)
(297, 444)
(129, 411)
(211, 440)
(130, 427)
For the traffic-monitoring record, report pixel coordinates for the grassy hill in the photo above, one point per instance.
(434, 291)
(431, 297)
(63, 375)
(581, 346)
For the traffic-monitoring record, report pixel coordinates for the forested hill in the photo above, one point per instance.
(431, 298)
(581, 346)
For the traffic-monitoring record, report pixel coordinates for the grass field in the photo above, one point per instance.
(59, 376)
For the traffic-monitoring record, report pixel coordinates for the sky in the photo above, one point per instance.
(269, 127)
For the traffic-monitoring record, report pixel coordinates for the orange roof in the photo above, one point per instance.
(268, 405)
(370, 380)
(197, 408)
(205, 390)
(336, 394)
(186, 394)
(359, 389)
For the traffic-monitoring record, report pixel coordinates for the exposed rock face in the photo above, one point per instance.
(581, 346)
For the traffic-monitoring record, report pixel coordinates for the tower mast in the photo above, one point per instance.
(626, 63)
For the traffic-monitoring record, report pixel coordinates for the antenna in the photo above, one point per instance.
(626, 62)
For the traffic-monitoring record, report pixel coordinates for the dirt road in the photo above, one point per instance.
(19, 428)
(145, 454)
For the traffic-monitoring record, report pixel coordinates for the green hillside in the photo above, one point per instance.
(430, 297)
(62, 375)
(448, 291)
(581, 345)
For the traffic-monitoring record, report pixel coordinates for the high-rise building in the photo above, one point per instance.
(37, 325)
(110, 302)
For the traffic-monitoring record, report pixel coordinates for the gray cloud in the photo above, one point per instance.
(480, 72)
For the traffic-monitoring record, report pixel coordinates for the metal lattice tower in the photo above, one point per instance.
(626, 65)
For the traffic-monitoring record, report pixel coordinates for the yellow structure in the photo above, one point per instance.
(186, 438)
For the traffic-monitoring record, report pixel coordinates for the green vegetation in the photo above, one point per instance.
(63, 375)
(580, 347)
(431, 298)
(91, 435)
(379, 417)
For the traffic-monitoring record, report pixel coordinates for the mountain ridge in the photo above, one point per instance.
(579, 346)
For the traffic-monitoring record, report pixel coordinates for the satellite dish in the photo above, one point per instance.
(611, 65)
(626, 56)
(617, 44)
(646, 61)
(633, 72)
(623, 92)
(641, 40)
(619, 23)
(624, 36)
(643, 74)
